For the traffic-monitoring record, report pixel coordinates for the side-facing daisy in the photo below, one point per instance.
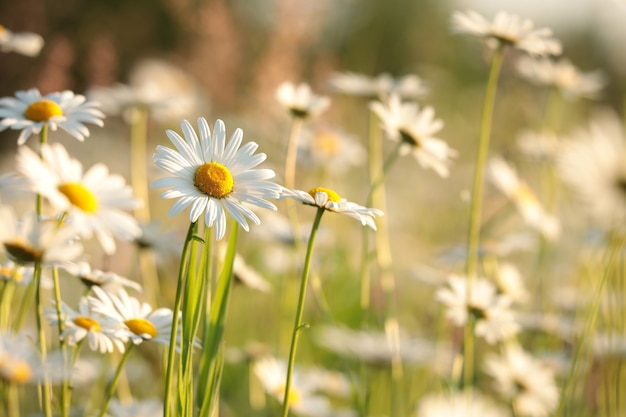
(25, 43)
(329, 200)
(507, 29)
(405, 122)
(300, 100)
(29, 111)
(459, 404)
(95, 277)
(138, 318)
(94, 200)
(409, 86)
(524, 380)
(214, 177)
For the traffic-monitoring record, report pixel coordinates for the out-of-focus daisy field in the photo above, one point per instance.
(313, 208)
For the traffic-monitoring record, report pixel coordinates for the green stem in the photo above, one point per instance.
(298, 325)
(113, 383)
(193, 227)
(41, 336)
(65, 389)
(476, 206)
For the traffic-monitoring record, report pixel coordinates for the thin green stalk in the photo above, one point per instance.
(41, 336)
(65, 389)
(193, 227)
(6, 299)
(476, 206)
(298, 325)
(113, 384)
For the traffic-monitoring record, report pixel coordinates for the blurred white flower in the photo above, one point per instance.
(609, 344)
(247, 276)
(330, 149)
(13, 186)
(542, 146)
(505, 178)
(25, 43)
(409, 86)
(509, 282)
(507, 29)
(29, 111)
(23, 275)
(591, 161)
(152, 407)
(415, 128)
(459, 404)
(95, 277)
(300, 100)
(495, 321)
(524, 380)
(94, 201)
(563, 75)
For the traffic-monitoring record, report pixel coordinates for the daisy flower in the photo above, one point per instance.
(137, 408)
(329, 200)
(508, 280)
(25, 43)
(330, 149)
(105, 279)
(102, 333)
(505, 178)
(507, 29)
(459, 404)
(29, 111)
(214, 177)
(139, 319)
(563, 75)
(23, 275)
(408, 86)
(495, 321)
(27, 240)
(542, 146)
(591, 162)
(93, 200)
(415, 128)
(524, 380)
(300, 100)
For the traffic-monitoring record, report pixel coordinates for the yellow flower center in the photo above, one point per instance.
(294, 396)
(332, 196)
(80, 196)
(43, 110)
(327, 143)
(141, 327)
(16, 371)
(214, 179)
(22, 252)
(87, 323)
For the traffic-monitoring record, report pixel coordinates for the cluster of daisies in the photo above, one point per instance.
(216, 176)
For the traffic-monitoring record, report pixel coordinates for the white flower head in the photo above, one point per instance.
(214, 177)
(94, 200)
(563, 75)
(542, 146)
(409, 86)
(415, 128)
(495, 321)
(29, 111)
(102, 333)
(330, 149)
(329, 200)
(25, 43)
(505, 178)
(459, 404)
(27, 240)
(524, 380)
(300, 100)
(95, 277)
(591, 162)
(509, 282)
(152, 407)
(507, 29)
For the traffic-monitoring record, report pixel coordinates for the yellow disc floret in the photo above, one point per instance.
(214, 179)
(87, 323)
(16, 371)
(80, 196)
(332, 196)
(43, 110)
(141, 327)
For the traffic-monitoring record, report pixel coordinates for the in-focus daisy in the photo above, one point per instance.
(95, 277)
(495, 321)
(27, 240)
(505, 178)
(524, 380)
(591, 161)
(409, 86)
(29, 111)
(507, 29)
(459, 404)
(563, 75)
(25, 43)
(101, 333)
(329, 200)
(94, 201)
(152, 407)
(138, 318)
(331, 150)
(214, 177)
(415, 128)
(300, 100)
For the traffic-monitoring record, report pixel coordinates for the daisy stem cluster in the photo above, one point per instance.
(112, 386)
